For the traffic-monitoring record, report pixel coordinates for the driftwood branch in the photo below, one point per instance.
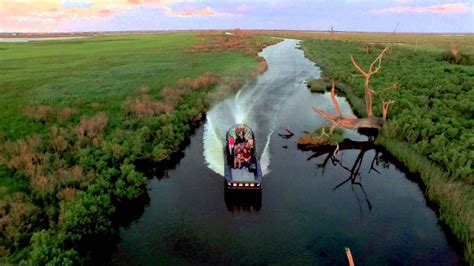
(346, 144)
(288, 133)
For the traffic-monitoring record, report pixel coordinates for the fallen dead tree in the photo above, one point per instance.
(338, 119)
(346, 144)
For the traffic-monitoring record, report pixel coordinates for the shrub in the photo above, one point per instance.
(40, 113)
(172, 95)
(130, 185)
(58, 139)
(43, 184)
(200, 82)
(317, 138)
(146, 107)
(455, 56)
(67, 194)
(47, 248)
(23, 156)
(86, 215)
(319, 85)
(65, 114)
(17, 221)
(92, 128)
(74, 176)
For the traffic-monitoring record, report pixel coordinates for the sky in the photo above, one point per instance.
(455, 16)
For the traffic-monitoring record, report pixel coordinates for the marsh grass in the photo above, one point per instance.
(428, 127)
(318, 138)
(319, 85)
(414, 41)
(453, 198)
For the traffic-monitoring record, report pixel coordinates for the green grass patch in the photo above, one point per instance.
(319, 85)
(318, 138)
(98, 70)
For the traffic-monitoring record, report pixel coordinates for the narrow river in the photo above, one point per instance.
(310, 207)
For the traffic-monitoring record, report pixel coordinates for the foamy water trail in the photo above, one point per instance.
(213, 148)
(242, 108)
(257, 105)
(266, 157)
(219, 119)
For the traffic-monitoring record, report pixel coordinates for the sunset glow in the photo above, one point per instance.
(96, 15)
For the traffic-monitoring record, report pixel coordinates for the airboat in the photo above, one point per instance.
(246, 175)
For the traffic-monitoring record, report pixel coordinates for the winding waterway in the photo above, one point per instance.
(311, 205)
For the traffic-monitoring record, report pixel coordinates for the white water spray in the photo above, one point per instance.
(258, 105)
(252, 107)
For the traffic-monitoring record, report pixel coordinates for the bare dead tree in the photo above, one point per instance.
(338, 120)
(332, 33)
(454, 49)
(374, 68)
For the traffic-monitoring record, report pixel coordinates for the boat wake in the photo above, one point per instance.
(240, 109)
(258, 104)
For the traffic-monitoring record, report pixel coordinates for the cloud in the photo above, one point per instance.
(437, 9)
(51, 15)
(198, 12)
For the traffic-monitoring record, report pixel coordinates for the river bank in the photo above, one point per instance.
(451, 191)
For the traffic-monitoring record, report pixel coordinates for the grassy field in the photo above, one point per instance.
(430, 125)
(427, 41)
(103, 71)
(77, 114)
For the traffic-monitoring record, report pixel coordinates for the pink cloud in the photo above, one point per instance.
(51, 15)
(190, 12)
(199, 12)
(437, 9)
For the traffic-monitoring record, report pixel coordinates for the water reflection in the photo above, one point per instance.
(334, 154)
(243, 201)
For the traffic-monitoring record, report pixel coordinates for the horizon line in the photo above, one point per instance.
(245, 29)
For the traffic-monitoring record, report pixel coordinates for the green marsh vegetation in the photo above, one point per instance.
(321, 137)
(430, 125)
(76, 115)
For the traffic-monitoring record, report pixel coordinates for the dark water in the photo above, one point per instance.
(311, 205)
